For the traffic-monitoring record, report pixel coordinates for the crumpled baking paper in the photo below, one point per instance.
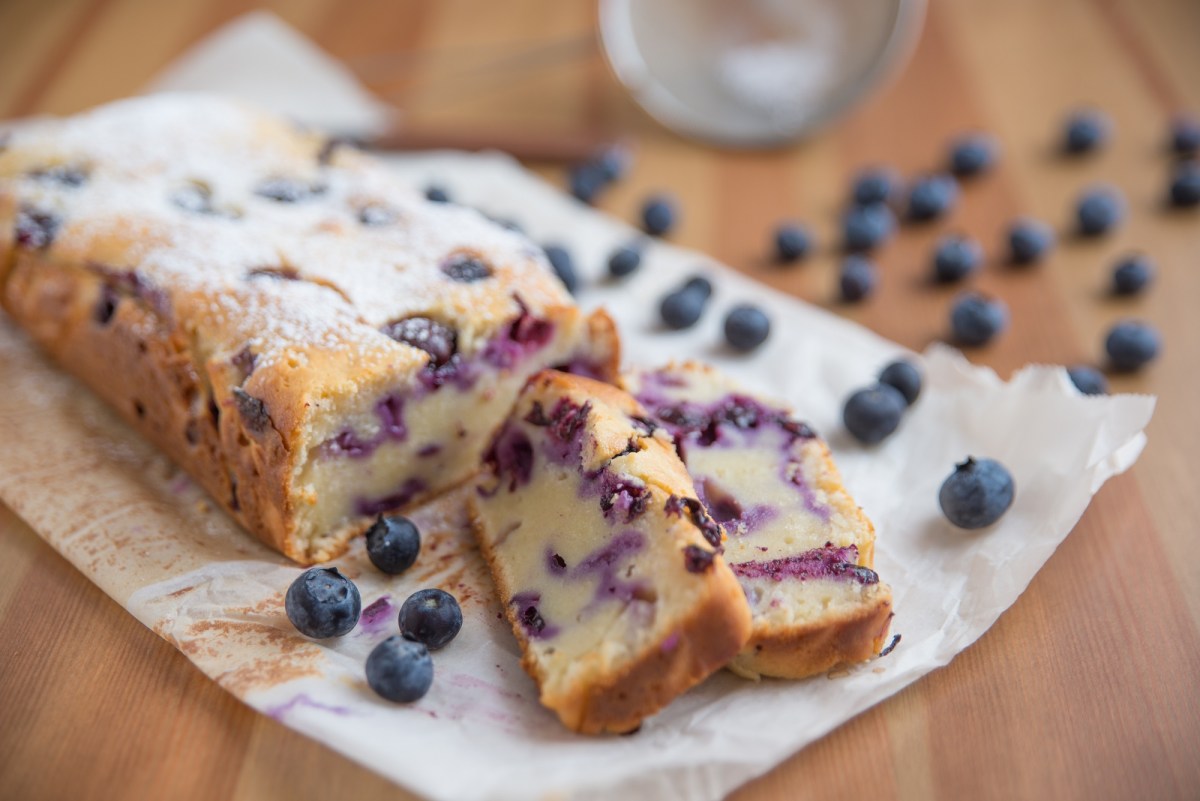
(142, 531)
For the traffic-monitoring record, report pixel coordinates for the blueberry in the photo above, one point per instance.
(564, 266)
(1131, 345)
(972, 154)
(431, 617)
(700, 285)
(1099, 210)
(393, 543)
(323, 603)
(932, 197)
(35, 228)
(1086, 131)
(977, 493)
(466, 269)
(1132, 274)
(658, 215)
(625, 260)
(400, 670)
(1185, 185)
(1185, 136)
(681, 308)
(437, 194)
(873, 413)
(792, 242)
(1029, 241)
(873, 185)
(288, 190)
(613, 162)
(1088, 380)
(586, 181)
(746, 327)
(903, 376)
(857, 279)
(956, 257)
(440, 341)
(865, 228)
(976, 319)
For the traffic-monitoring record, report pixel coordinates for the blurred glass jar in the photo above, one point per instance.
(755, 73)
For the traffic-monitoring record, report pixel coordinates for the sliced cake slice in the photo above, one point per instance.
(801, 547)
(606, 562)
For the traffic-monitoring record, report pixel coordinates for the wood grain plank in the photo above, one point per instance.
(36, 39)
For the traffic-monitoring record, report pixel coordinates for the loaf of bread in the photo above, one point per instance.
(801, 547)
(606, 563)
(312, 340)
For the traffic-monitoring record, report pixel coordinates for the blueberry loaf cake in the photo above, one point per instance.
(608, 567)
(800, 546)
(314, 341)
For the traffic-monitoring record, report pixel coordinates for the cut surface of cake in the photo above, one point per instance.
(801, 547)
(309, 337)
(607, 565)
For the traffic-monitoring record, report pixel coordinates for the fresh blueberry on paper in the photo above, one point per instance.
(613, 162)
(586, 180)
(1088, 380)
(746, 327)
(1029, 241)
(1099, 210)
(955, 258)
(400, 670)
(972, 154)
(658, 215)
(437, 194)
(431, 617)
(1185, 136)
(865, 228)
(976, 319)
(564, 266)
(1086, 130)
(682, 308)
(857, 279)
(699, 285)
(1132, 274)
(932, 197)
(903, 376)
(1185, 185)
(323, 603)
(872, 414)
(792, 242)
(1131, 345)
(977, 493)
(625, 260)
(873, 185)
(393, 543)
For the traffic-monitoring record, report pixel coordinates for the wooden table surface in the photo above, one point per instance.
(1086, 688)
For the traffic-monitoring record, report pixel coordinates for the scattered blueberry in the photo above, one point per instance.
(903, 376)
(865, 228)
(873, 413)
(1132, 274)
(564, 266)
(586, 181)
(956, 257)
(400, 670)
(977, 493)
(932, 197)
(1099, 210)
(1131, 345)
(976, 319)
(1185, 136)
(658, 215)
(1185, 185)
(625, 260)
(323, 603)
(700, 285)
(393, 543)
(681, 309)
(437, 194)
(746, 327)
(972, 154)
(1088, 380)
(1086, 131)
(613, 162)
(792, 242)
(874, 185)
(1029, 241)
(857, 279)
(431, 617)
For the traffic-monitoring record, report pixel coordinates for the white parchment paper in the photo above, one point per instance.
(137, 527)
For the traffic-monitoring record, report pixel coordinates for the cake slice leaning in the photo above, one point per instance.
(801, 547)
(609, 569)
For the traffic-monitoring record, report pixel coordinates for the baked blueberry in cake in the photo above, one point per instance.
(607, 564)
(800, 546)
(313, 340)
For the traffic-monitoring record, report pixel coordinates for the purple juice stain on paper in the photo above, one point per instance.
(376, 616)
(279, 711)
